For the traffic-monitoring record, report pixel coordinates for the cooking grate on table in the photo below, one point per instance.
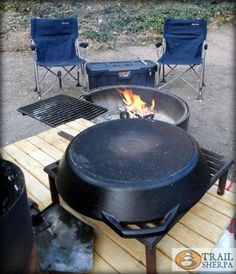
(61, 109)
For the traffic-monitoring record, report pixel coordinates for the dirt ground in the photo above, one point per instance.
(211, 120)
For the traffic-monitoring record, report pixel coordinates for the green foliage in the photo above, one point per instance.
(109, 21)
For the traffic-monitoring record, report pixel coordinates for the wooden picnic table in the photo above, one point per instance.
(201, 227)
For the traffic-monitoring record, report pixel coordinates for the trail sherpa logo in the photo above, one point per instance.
(188, 259)
(204, 259)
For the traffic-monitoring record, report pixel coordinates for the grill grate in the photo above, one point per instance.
(61, 109)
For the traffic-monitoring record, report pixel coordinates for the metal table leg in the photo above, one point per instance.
(222, 183)
(53, 190)
(150, 260)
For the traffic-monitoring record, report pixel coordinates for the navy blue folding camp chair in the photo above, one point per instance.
(55, 45)
(184, 43)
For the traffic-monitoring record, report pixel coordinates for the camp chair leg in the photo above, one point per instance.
(158, 75)
(200, 97)
(59, 78)
(37, 88)
(163, 74)
(78, 83)
(203, 76)
(83, 69)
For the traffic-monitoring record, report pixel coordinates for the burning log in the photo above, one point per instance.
(135, 106)
(149, 116)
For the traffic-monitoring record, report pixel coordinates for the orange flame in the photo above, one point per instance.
(135, 104)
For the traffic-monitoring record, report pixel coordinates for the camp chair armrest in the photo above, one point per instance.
(158, 44)
(83, 45)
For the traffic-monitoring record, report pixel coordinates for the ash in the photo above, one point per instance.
(113, 116)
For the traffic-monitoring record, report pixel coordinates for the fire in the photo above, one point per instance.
(134, 104)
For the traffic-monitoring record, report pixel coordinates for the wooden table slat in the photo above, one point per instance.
(218, 204)
(211, 215)
(46, 147)
(76, 125)
(54, 139)
(38, 191)
(228, 196)
(201, 226)
(34, 152)
(188, 237)
(116, 256)
(32, 166)
(101, 266)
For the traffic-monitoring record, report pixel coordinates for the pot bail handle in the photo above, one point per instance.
(123, 231)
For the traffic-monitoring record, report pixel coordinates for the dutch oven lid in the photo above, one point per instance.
(132, 150)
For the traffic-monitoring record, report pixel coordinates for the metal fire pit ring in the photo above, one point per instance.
(167, 104)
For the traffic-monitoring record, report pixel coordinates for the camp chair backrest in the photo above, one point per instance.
(54, 38)
(184, 38)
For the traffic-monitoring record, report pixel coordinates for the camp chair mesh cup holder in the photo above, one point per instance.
(184, 44)
(55, 45)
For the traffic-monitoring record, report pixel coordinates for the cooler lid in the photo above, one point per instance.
(120, 66)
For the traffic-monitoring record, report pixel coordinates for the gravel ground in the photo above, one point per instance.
(211, 120)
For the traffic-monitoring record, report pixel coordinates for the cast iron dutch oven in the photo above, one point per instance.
(132, 171)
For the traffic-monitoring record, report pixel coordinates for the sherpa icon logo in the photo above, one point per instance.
(188, 259)
(65, 23)
(194, 24)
